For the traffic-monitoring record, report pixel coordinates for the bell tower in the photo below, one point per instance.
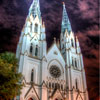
(54, 74)
(32, 41)
(31, 49)
(70, 49)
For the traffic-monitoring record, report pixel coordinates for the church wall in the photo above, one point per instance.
(77, 75)
(53, 59)
(67, 61)
(21, 60)
(29, 64)
(26, 94)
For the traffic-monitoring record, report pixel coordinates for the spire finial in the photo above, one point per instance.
(43, 24)
(76, 39)
(54, 40)
(58, 44)
(63, 3)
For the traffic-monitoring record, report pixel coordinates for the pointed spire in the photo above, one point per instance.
(65, 21)
(77, 39)
(77, 42)
(43, 24)
(35, 9)
(58, 44)
(77, 45)
(54, 40)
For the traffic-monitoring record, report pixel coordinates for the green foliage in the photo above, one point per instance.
(9, 76)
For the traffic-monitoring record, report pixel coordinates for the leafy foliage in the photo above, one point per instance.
(9, 76)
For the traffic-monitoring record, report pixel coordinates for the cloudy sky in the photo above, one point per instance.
(84, 18)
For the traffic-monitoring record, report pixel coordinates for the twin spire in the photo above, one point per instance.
(35, 11)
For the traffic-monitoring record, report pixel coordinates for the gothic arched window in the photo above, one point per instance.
(72, 43)
(32, 75)
(72, 62)
(61, 87)
(31, 27)
(75, 63)
(31, 48)
(63, 45)
(52, 85)
(76, 84)
(36, 28)
(49, 85)
(36, 50)
(58, 86)
(30, 99)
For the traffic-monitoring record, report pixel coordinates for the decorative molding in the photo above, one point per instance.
(58, 62)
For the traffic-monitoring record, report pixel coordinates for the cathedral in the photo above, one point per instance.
(54, 74)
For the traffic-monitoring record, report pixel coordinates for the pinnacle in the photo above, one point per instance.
(63, 3)
(54, 40)
(76, 39)
(43, 24)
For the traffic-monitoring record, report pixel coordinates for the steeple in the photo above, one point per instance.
(65, 21)
(35, 9)
(54, 75)
(33, 38)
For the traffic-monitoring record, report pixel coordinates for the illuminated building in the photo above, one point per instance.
(56, 74)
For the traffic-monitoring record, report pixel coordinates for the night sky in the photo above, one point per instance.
(84, 18)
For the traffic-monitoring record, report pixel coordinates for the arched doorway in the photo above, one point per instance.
(30, 99)
(57, 99)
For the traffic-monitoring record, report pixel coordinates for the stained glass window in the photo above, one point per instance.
(36, 28)
(36, 50)
(76, 83)
(32, 75)
(75, 63)
(31, 48)
(31, 27)
(72, 43)
(72, 62)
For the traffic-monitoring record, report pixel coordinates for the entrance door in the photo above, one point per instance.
(58, 99)
(30, 99)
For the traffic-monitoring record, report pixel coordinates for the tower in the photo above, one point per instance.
(54, 74)
(70, 49)
(31, 49)
(32, 41)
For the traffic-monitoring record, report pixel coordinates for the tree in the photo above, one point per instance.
(9, 76)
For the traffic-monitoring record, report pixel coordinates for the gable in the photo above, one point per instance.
(58, 95)
(32, 93)
(54, 58)
(54, 53)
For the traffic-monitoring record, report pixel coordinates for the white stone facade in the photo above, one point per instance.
(56, 74)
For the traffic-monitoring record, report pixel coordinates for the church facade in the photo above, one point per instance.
(54, 74)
